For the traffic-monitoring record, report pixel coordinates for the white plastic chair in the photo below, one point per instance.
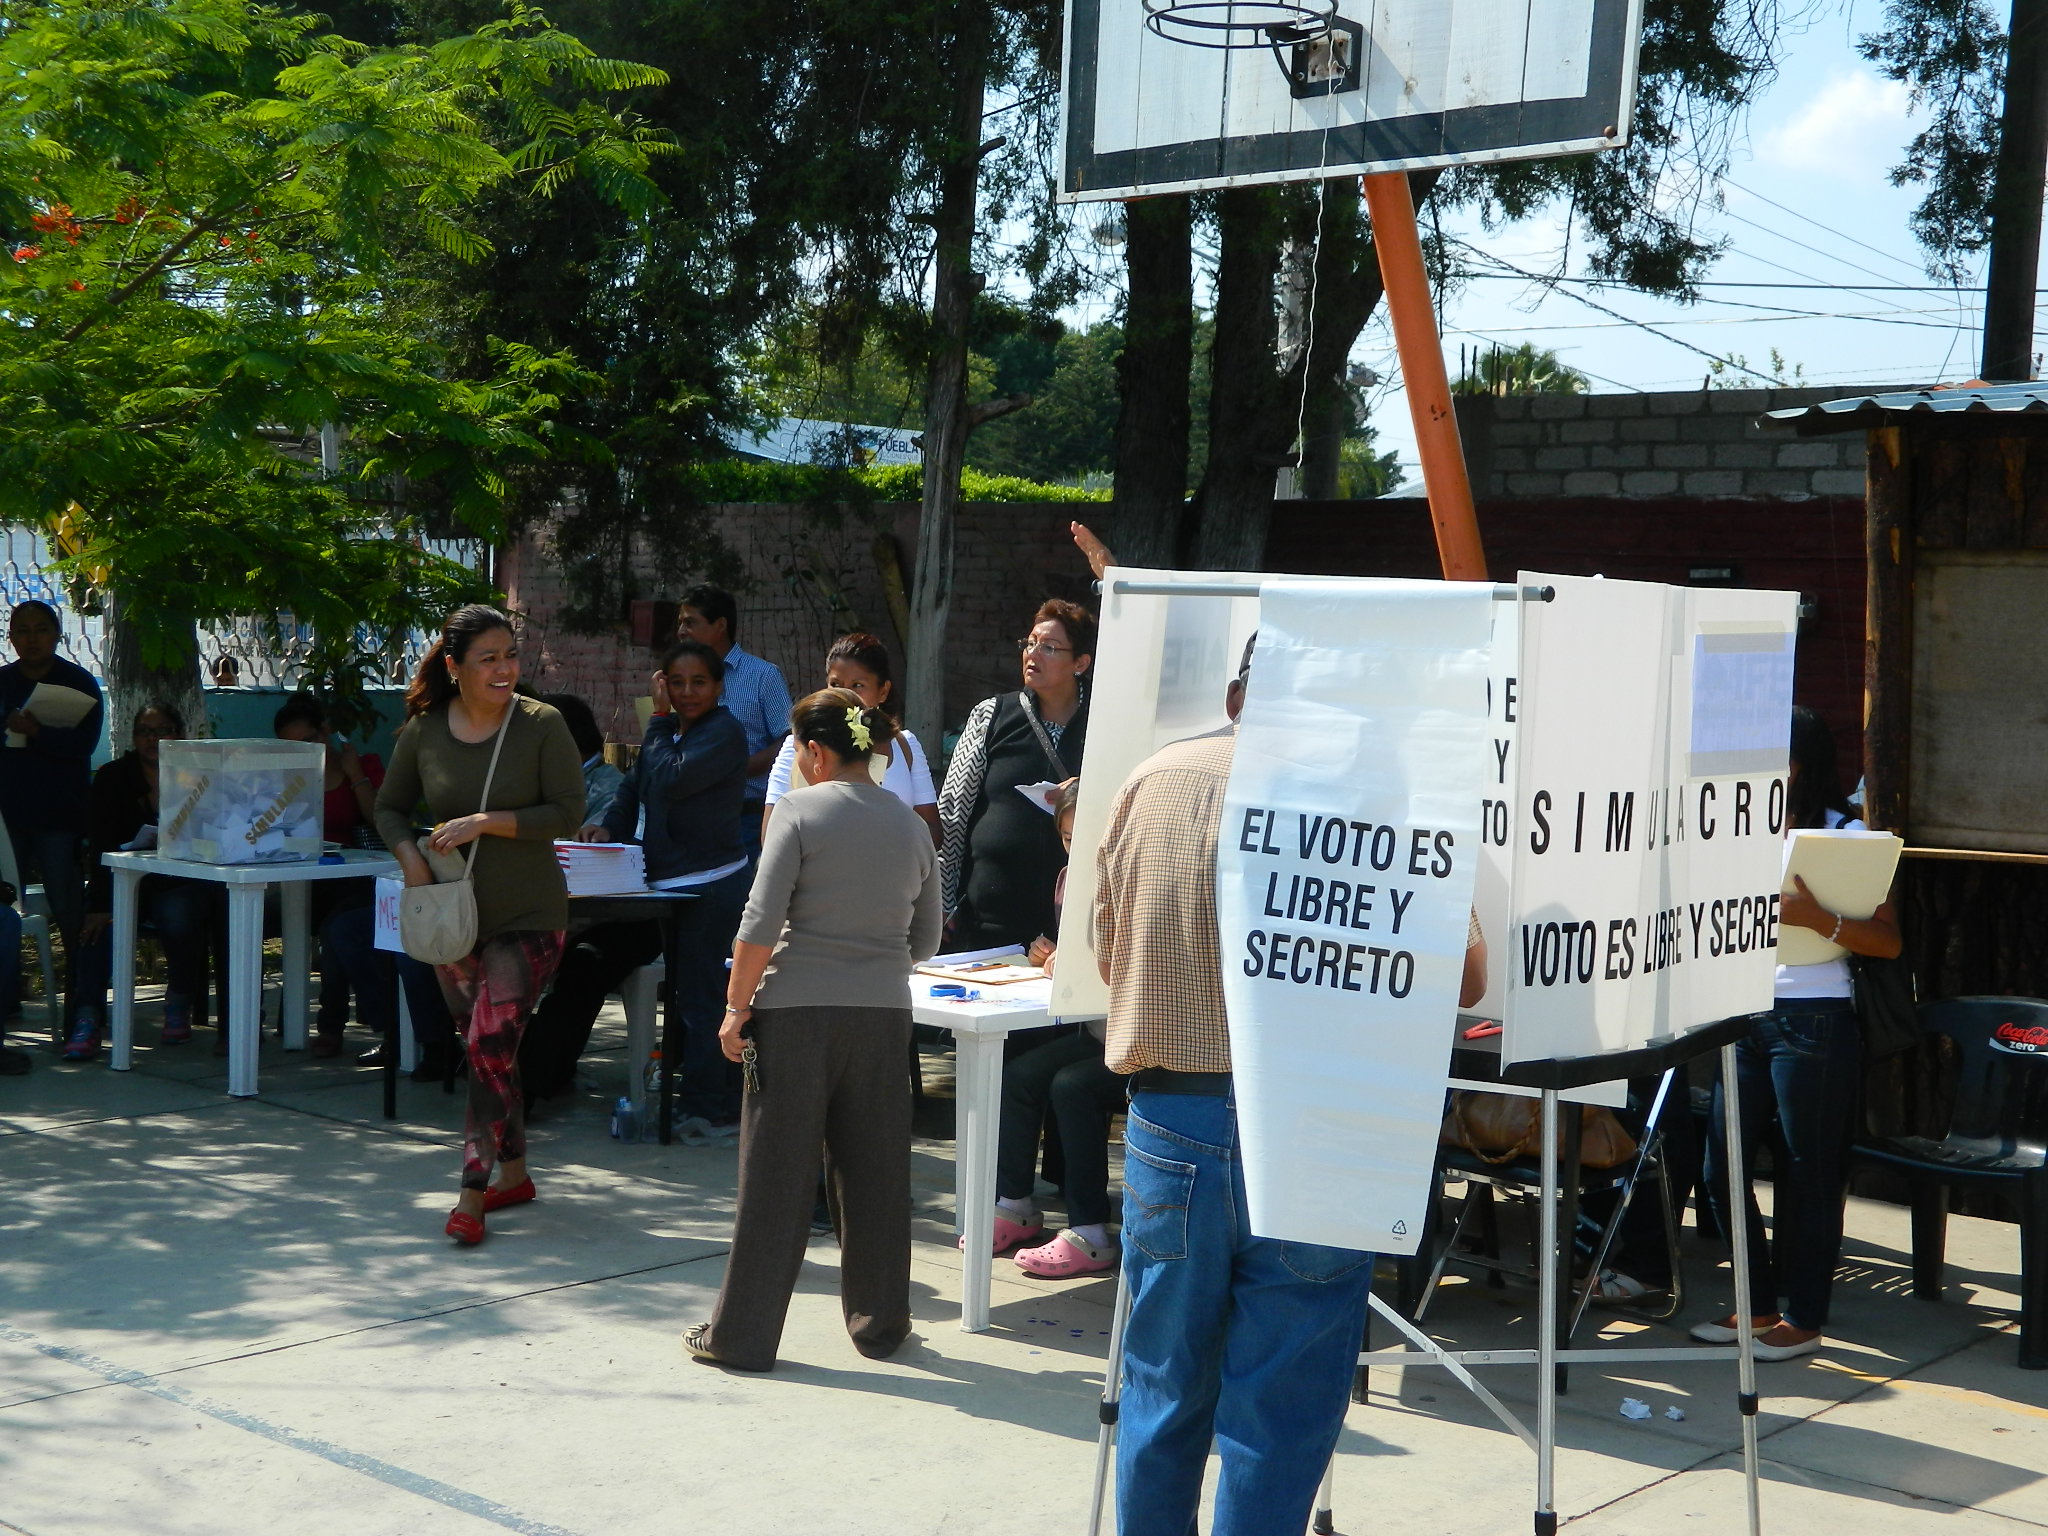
(35, 923)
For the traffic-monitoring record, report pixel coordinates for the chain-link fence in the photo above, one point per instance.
(248, 653)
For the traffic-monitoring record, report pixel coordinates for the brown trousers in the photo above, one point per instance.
(831, 1078)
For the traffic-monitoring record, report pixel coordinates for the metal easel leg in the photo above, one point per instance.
(1112, 1399)
(1325, 1521)
(1738, 1242)
(1546, 1330)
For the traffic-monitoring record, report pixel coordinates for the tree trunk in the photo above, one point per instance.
(1327, 422)
(1235, 502)
(1152, 382)
(1255, 405)
(132, 685)
(955, 284)
(2016, 196)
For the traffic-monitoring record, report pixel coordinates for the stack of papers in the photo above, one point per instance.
(602, 869)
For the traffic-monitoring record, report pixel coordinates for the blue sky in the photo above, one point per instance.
(1807, 202)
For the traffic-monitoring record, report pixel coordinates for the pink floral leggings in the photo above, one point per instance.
(491, 994)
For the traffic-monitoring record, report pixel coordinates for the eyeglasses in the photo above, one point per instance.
(157, 731)
(1041, 648)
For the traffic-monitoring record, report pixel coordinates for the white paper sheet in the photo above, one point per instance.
(55, 705)
(1344, 883)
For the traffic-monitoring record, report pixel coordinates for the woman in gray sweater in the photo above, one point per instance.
(846, 900)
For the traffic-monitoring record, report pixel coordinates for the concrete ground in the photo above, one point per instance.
(224, 1317)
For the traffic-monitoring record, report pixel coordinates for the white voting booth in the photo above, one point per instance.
(1596, 769)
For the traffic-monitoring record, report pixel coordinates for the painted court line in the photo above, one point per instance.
(354, 1461)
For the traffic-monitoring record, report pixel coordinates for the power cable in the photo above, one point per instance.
(1601, 282)
(1805, 218)
(1712, 357)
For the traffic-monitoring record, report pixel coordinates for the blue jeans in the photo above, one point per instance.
(53, 857)
(189, 919)
(10, 965)
(1233, 1338)
(1800, 1064)
(708, 1085)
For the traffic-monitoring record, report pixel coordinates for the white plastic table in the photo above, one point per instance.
(979, 1028)
(245, 886)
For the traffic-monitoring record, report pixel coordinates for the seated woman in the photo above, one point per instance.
(601, 781)
(859, 663)
(182, 913)
(1068, 1073)
(690, 777)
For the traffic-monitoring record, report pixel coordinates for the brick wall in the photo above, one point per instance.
(1696, 443)
(812, 574)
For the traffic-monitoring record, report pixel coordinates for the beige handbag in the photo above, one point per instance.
(437, 923)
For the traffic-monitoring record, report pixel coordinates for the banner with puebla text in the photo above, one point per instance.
(1344, 879)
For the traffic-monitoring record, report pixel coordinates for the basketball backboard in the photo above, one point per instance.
(1179, 95)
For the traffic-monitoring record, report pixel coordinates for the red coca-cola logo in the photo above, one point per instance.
(2020, 1039)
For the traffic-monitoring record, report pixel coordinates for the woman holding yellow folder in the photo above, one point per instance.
(1800, 1064)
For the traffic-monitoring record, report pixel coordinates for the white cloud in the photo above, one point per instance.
(1855, 122)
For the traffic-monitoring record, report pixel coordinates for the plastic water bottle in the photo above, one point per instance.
(625, 1120)
(650, 1098)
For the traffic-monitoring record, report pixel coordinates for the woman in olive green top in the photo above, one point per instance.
(460, 699)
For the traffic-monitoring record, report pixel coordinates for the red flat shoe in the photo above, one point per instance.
(466, 1229)
(510, 1194)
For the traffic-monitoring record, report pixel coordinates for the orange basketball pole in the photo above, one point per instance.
(1399, 244)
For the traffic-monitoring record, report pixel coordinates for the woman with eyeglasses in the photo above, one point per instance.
(183, 914)
(1002, 852)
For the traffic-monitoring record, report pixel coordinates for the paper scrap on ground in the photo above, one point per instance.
(1634, 1408)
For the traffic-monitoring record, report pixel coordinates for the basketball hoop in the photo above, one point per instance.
(1240, 23)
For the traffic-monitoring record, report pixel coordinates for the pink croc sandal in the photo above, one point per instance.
(1009, 1233)
(1068, 1254)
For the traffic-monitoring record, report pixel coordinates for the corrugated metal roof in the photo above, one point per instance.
(1853, 412)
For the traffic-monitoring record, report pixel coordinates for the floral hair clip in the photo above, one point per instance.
(857, 724)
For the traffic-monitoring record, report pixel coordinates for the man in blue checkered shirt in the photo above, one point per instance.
(754, 691)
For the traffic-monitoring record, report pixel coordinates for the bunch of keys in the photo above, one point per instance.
(750, 1060)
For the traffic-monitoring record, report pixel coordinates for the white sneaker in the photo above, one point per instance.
(1720, 1333)
(1765, 1351)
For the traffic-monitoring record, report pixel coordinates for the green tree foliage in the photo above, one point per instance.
(1069, 430)
(1951, 54)
(799, 204)
(208, 206)
(1363, 472)
(1736, 372)
(1524, 370)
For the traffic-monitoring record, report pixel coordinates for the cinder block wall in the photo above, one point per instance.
(1696, 443)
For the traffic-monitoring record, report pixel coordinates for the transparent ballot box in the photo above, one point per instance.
(240, 802)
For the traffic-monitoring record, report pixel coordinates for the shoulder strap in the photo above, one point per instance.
(1052, 756)
(484, 802)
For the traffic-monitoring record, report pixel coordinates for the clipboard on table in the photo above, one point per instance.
(991, 971)
(1849, 872)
